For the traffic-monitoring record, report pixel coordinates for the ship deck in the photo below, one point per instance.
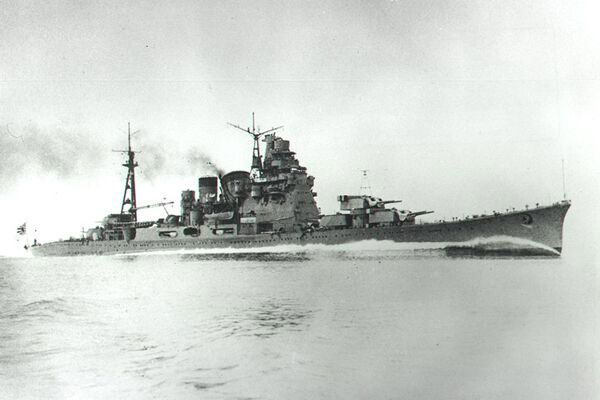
(540, 225)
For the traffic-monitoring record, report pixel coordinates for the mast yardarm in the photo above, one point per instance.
(257, 166)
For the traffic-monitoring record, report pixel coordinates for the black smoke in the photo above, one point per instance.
(68, 153)
(159, 160)
(197, 160)
(56, 151)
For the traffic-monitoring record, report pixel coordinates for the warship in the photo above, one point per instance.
(274, 204)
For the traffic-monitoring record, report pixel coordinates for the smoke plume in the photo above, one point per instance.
(68, 153)
(197, 160)
(157, 160)
(64, 153)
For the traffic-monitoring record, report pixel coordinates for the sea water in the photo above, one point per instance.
(345, 322)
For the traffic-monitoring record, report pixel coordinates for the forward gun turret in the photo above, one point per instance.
(408, 217)
(361, 211)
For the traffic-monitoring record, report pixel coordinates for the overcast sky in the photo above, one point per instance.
(457, 106)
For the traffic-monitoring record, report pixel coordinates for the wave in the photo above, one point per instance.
(494, 245)
(501, 245)
(41, 309)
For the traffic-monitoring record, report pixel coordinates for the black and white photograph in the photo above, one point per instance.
(387, 199)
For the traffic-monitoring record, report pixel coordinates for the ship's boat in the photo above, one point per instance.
(274, 203)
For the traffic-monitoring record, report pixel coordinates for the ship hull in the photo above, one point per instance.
(540, 228)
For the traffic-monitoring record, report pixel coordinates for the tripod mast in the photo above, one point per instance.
(129, 191)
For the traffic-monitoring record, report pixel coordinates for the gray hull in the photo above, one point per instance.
(538, 227)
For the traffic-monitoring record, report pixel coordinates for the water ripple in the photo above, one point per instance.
(264, 320)
(205, 385)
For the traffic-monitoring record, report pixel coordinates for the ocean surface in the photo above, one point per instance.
(346, 322)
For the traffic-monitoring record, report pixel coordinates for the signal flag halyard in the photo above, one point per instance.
(21, 230)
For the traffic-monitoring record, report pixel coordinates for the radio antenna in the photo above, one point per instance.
(564, 180)
(256, 134)
(365, 189)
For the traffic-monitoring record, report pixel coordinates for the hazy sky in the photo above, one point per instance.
(456, 106)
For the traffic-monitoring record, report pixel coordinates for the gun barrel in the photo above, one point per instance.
(415, 214)
(390, 201)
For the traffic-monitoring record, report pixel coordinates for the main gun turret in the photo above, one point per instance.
(361, 211)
